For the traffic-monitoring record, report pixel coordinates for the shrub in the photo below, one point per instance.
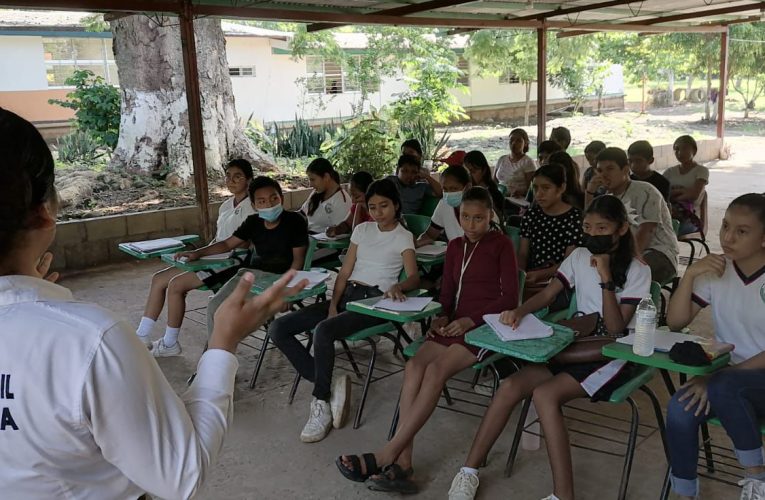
(369, 144)
(78, 147)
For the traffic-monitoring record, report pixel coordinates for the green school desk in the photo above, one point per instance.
(532, 350)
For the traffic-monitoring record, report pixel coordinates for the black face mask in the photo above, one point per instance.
(600, 244)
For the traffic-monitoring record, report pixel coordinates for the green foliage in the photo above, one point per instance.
(95, 23)
(96, 106)
(425, 132)
(300, 141)
(369, 144)
(78, 147)
(747, 62)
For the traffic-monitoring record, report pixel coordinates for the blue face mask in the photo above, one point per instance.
(270, 214)
(453, 199)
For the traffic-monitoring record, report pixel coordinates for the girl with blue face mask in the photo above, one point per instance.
(455, 180)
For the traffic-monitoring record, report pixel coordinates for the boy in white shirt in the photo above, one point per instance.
(85, 412)
(734, 285)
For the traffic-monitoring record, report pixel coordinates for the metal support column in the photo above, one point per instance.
(541, 83)
(723, 84)
(194, 101)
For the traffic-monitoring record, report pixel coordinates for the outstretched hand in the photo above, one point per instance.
(239, 314)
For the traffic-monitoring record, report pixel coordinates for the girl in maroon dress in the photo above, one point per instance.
(480, 277)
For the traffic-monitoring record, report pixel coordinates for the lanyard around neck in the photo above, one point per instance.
(465, 263)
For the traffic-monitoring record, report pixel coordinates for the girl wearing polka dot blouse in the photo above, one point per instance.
(550, 230)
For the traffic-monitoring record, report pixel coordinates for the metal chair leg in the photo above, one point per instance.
(517, 437)
(259, 362)
(629, 455)
(351, 359)
(707, 443)
(297, 375)
(394, 421)
(367, 380)
(448, 396)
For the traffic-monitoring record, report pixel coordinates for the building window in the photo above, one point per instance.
(508, 77)
(64, 56)
(464, 67)
(241, 71)
(329, 77)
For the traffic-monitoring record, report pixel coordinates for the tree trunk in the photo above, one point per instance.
(154, 125)
(707, 101)
(528, 104)
(671, 87)
(688, 88)
(642, 99)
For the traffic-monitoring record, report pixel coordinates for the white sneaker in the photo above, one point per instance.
(160, 350)
(752, 489)
(340, 401)
(464, 486)
(551, 497)
(319, 422)
(146, 341)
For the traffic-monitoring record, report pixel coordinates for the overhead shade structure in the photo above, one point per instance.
(568, 18)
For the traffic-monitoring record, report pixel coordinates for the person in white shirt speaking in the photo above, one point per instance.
(85, 411)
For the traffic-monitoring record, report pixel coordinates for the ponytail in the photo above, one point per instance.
(320, 167)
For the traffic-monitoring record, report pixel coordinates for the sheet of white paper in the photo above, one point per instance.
(152, 245)
(324, 237)
(313, 277)
(530, 327)
(663, 340)
(411, 304)
(217, 256)
(433, 250)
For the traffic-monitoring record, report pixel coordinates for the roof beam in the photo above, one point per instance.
(404, 10)
(680, 17)
(558, 12)
(135, 6)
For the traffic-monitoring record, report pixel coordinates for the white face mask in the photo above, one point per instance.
(270, 214)
(453, 199)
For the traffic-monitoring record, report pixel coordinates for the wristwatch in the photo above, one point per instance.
(608, 285)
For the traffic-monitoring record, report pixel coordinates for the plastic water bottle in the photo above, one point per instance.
(530, 437)
(645, 328)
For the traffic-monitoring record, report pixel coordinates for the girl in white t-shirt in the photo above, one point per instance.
(445, 219)
(378, 252)
(608, 279)
(687, 182)
(516, 169)
(231, 214)
(329, 204)
(734, 285)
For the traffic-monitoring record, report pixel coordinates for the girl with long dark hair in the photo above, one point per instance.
(328, 205)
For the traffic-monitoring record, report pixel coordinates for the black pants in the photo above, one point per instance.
(318, 368)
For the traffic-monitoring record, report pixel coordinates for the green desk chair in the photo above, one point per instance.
(699, 237)
(514, 233)
(502, 188)
(478, 368)
(623, 394)
(417, 224)
(428, 206)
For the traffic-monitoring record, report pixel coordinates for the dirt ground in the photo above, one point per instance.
(264, 459)
(620, 128)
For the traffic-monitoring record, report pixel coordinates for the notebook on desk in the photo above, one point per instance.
(530, 327)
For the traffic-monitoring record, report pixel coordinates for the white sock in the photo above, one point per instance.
(171, 336)
(145, 327)
(469, 470)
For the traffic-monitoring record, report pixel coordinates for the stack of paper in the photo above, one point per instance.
(530, 327)
(431, 250)
(324, 237)
(411, 304)
(153, 245)
(314, 278)
(663, 340)
(217, 256)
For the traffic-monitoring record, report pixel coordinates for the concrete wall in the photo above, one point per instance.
(81, 244)
(22, 63)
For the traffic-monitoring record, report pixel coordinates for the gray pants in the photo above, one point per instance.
(662, 269)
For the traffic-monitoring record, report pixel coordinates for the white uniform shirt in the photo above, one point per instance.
(513, 173)
(687, 180)
(738, 308)
(330, 212)
(379, 256)
(576, 272)
(86, 411)
(445, 219)
(230, 217)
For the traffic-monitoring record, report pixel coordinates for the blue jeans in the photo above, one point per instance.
(737, 398)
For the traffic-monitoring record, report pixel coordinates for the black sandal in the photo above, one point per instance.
(355, 474)
(394, 479)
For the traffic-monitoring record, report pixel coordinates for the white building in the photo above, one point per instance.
(39, 50)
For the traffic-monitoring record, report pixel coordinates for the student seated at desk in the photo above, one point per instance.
(591, 152)
(514, 170)
(640, 156)
(480, 277)
(445, 219)
(328, 205)
(86, 411)
(609, 280)
(480, 176)
(574, 195)
(545, 150)
(414, 183)
(360, 182)
(378, 252)
(687, 181)
(175, 284)
(412, 147)
(550, 229)
(734, 285)
(280, 240)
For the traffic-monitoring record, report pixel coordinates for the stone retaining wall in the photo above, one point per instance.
(81, 244)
